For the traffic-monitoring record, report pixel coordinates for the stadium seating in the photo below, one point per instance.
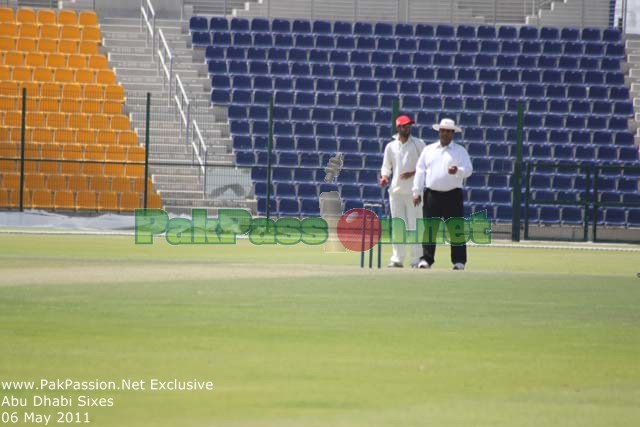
(334, 86)
(76, 130)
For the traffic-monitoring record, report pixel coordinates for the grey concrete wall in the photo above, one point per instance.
(165, 9)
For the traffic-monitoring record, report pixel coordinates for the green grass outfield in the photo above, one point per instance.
(293, 336)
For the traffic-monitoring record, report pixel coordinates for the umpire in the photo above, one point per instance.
(440, 170)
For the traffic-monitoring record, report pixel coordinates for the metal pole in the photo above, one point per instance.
(517, 176)
(623, 16)
(585, 215)
(364, 229)
(596, 204)
(269, 149)
(146, 151)
(371, 242)
(204, 190)
(22, 144)
(527, 196)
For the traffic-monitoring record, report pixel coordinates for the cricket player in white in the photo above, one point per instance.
(400, 158)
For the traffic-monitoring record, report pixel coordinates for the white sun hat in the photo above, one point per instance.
(447, 124)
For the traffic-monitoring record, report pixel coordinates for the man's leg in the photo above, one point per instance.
(455, 209)
(413, 213)
(430, 209)
(397, 250)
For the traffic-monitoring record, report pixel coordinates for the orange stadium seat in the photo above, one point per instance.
(94, 152)
(36, 59)
(77, 60)
(41, 199)
(70, 105)
(88, 47)
(92, 34)
(106, 77)
(26, 15)
(33, 89)
(47, 45)
(22, 74)
(130, 201)
(112, 107)
(49, 105)
(13, 119)
(9, 29)
(64, 136)
(64, 75)
(94, 91)
(154, 201)
(114, 93)
(100, 183)
(36, 119)
(9, 199)
(88, 17)
(11, 181)
(6, 14)
(57, 121)
(42, 135)
(9, 149)
(85, 75)
(51, 151)
(107, 201)
(91, 106)
(98, 62)
(8, 166)
(57, 182)
(86, 200)
(115, 153)
(28, 31)
(8, 103)
(67, 17)
(85, 136)
(63, 200)
(50, 31)
(99, 122)
(71, 91)
(33, 181)
(121, 184)
(93, 169)
(70, 32)
(78, 183)
(14, 59)
(134, 170)
(113, 169)
(47, 16)
(107, 137)
(128, 137)
(50, 90)
(5, 73)
(72, 153)
(120, 122)
(68, 46)
(56, 60)
(43, 74)
(26, 45)
(7, 43)
(9, 88)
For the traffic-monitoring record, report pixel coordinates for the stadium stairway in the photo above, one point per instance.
(213, 7)
(179, 186)
(632, 47)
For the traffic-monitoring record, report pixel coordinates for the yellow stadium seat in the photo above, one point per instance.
(8, 103)
(78, 121)
(51, 151)
(92, 34)
(64, 137)
(51, 90)
(78, 183)
(9, 149)
(86, 200)
(32, 151)
(36, 119)
(130, 202)
(70, 105)
(71, 90)
(33, 89)
(16, 135)
(93, 169)
(88, 47)
(121, 184)
(14, 58)
(56, 60)
(68, 46)
(112, 107)
(70, 32)
(94, 91)
(28, 31)
(41, 199)
(113, 169)
(154, 201)
(57, 182)
(47, 16)
(63, 200)
(91, 106)
(107, 137)
(26, 15)
(33, 181)
(32, 166)
(42, 135)
(9, 199)
(114, 93)
(98, 62)
(77, 60)
(7, 43)
(9, 88)
(72, 153)
(6, 14)
(107, 77)
(107, 201)
(9, 29)
(5, 73)
(26, 45)
(50, 31)
(127, 137)
(43, 74)
(134, 170)
(85, 136)
(22, 74)
(47, 45)
(67, 17)
(57, 120)
(32, 103)
(94, 152)
(64, 75)
(100, 183)
(120, 122)
(36, 59)
(85, 75)
(88, 17)
(99, 122)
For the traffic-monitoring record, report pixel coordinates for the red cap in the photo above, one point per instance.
(404, 120)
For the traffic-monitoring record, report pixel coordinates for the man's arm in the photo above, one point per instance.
(465, 169)
(387, 166)
(419, 178)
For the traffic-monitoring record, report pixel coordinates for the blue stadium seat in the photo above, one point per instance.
(200, 38)
(570, 34)
(614, 216)
(611, 35)
(218, 24)
(198, 23)
(403, 30)
(365, 43)
(507, 32)
(427, 45)
(549, 215)
(362, 28)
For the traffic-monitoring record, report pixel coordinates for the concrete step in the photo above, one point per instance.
(133, 21)
(632, 44)
(136, 34)
(211, 212)
(123, 28)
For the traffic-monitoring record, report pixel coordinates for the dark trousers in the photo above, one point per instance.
(445, 205)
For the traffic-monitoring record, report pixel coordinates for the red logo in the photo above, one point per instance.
(359, 229)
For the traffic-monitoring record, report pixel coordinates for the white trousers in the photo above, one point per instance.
(402, 207)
